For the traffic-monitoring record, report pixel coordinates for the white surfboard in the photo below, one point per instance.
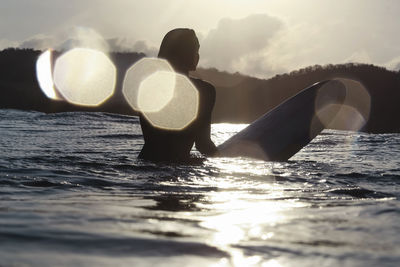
(283, 131)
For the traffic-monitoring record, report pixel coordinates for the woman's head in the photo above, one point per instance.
(181, 48)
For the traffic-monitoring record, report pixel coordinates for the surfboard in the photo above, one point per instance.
(283, 131)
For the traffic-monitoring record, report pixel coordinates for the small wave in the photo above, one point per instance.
(105, 245)
(96, 183)
(327, 142)
(352, 175)
(7, 182)
(175, 202)
(13, 113)
(394, 211)
(117, 136)
(120, 117)
(359, 193)
(394, 177)
(101, 116)
(321, 243)
(40, 183)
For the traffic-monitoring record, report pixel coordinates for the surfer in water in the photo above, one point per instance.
(180, 47)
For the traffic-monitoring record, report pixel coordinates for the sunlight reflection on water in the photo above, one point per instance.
(244, 209)
(84, 196)
(241, 217)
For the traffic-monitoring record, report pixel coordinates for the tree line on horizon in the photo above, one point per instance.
(240, 98)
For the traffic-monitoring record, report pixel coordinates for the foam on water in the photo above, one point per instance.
(74, 193)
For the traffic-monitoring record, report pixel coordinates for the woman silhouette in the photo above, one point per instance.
(180, 47)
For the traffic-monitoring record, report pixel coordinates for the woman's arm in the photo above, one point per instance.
(203, 140)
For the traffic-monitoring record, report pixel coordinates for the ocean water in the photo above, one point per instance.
(73, 193)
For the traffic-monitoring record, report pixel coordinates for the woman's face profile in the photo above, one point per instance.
(196, 58)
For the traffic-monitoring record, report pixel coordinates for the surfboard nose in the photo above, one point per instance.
(329, 99)
(331, 92)
(283, 131)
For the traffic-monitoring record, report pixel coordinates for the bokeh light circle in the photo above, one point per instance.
(328, 101)
(135, 81)
(351, 113)
(356, 109)
(85, 76)
(156, 91)
(168, 100)
(183, 108)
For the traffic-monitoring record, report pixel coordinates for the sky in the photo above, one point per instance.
(260, 38)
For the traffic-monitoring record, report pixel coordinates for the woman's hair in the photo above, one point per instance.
(179, 47)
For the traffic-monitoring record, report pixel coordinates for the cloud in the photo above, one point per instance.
(260, 45)
(5, 43)
(258, 65)
(83, 37)
(39, 42)
(305, 44)
(306, 32)
(73, 37)
(393, 64)
(361, 56)
(129, 45)
(142, 46)
(234, 40)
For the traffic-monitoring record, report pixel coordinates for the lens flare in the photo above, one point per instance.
(352, 114)
(328, 102)
(156, 91)
(168, 100)
(135, 79)
(44, 75)
(181, 110)
(85, 77)
(355, 111)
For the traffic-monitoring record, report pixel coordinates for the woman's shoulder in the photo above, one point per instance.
(203, 86)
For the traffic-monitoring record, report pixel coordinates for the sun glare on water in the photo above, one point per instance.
(243, 211)
(239, 219)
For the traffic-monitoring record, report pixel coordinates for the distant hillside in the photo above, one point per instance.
(243, 99)
(239, 98)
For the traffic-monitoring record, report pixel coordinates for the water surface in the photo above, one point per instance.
(72, 192)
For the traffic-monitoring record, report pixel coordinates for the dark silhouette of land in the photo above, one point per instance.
(19, 88)
(239, 99)
(242, 99)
